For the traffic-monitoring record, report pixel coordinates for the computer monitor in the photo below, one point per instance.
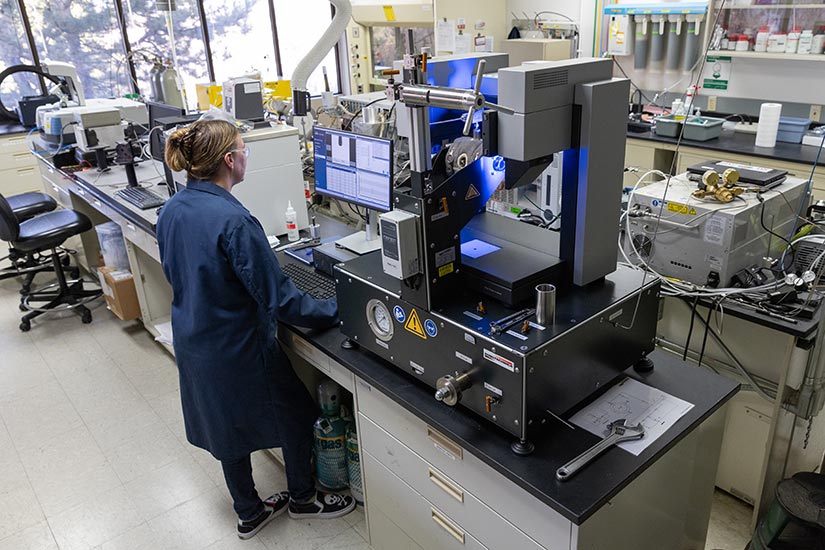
(156, 111)
(354, 168)
(357, 169)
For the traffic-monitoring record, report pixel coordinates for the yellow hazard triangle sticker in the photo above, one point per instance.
(414, 325)
(472, 193)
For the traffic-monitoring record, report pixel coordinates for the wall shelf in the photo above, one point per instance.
(768, 56)
(776, 7)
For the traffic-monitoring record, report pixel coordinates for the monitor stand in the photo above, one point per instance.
(363, 242)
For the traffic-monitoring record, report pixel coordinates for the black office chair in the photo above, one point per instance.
(796, 518)
(46, 233)
(27, 265)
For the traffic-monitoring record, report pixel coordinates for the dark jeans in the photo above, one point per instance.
(295, 431)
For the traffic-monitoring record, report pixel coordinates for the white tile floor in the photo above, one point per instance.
(93, 453)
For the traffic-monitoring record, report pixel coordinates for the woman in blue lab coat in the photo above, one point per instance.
(238, 390)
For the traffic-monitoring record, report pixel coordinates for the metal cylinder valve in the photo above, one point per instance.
(449, 388)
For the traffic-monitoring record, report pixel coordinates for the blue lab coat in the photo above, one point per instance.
(229, 294)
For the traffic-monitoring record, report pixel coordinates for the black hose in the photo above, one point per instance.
(690, 329)
(14, 69)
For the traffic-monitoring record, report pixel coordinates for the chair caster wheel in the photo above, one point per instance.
(25, 326)
(25, 289)
(23, 307)
(66, 261)
(74, 273)
(86, 317)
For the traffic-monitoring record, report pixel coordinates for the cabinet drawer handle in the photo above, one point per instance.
(21, 156)
(80, 192)
(97, 203)
(56, 188)
(130, 226)
(445, 485)
(24, 171)
(444, 444)
(447, 525)
(16, 140)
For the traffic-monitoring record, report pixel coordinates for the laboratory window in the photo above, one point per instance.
(300, 26)
(84, 33)
(390, 43)
(14, 50)
(240, 35)
(148, 32)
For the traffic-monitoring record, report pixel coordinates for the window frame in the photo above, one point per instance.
(339, 48)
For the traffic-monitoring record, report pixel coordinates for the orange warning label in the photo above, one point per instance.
(472, 193)
(415, 326)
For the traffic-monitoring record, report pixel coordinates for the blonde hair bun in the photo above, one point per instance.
(200, 147)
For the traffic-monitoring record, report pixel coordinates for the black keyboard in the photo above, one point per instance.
(309, 281)
(141, 197)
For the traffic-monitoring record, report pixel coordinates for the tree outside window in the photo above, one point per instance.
(149, 38)
(240, 34)
(87, 34)
(84, 33)
(14, 50)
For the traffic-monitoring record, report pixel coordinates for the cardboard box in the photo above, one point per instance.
(208, 94)
(119, 291)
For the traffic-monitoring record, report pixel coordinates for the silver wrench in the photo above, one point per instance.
(619, 431)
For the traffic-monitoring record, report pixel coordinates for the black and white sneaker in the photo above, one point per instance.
(248, 529)
(278, 501)
(325, 506)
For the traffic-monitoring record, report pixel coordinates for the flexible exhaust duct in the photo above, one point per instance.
(300, 95)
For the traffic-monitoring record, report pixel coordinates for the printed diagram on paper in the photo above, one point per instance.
(635, 402)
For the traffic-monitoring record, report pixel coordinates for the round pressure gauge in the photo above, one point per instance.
(380, 319)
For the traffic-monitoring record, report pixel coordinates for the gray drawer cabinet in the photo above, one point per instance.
(476, 498)
(422, 522)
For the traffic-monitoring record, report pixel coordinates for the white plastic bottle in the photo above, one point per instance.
(689, 100)
(818, 43)
(677, 109)
(761, 44)
(793, 40)
(781, 41)
(806, 40)
(773, 43)
(291, 218)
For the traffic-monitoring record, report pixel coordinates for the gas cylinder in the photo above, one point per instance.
(330, 435)
(356, 487)
(154, 79)
(171, 85)
(330, 438)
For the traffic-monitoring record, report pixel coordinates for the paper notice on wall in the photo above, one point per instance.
(716, 75)
(463, 43)
(636, 403)
(445, 36)
(483, 43)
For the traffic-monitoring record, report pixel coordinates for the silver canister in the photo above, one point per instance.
(545, 304)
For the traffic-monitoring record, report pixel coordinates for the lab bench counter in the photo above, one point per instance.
(802, 329)
(578, 498)
(742, 144)
(100, 188)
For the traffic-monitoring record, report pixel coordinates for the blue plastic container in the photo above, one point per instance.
(792, 129)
